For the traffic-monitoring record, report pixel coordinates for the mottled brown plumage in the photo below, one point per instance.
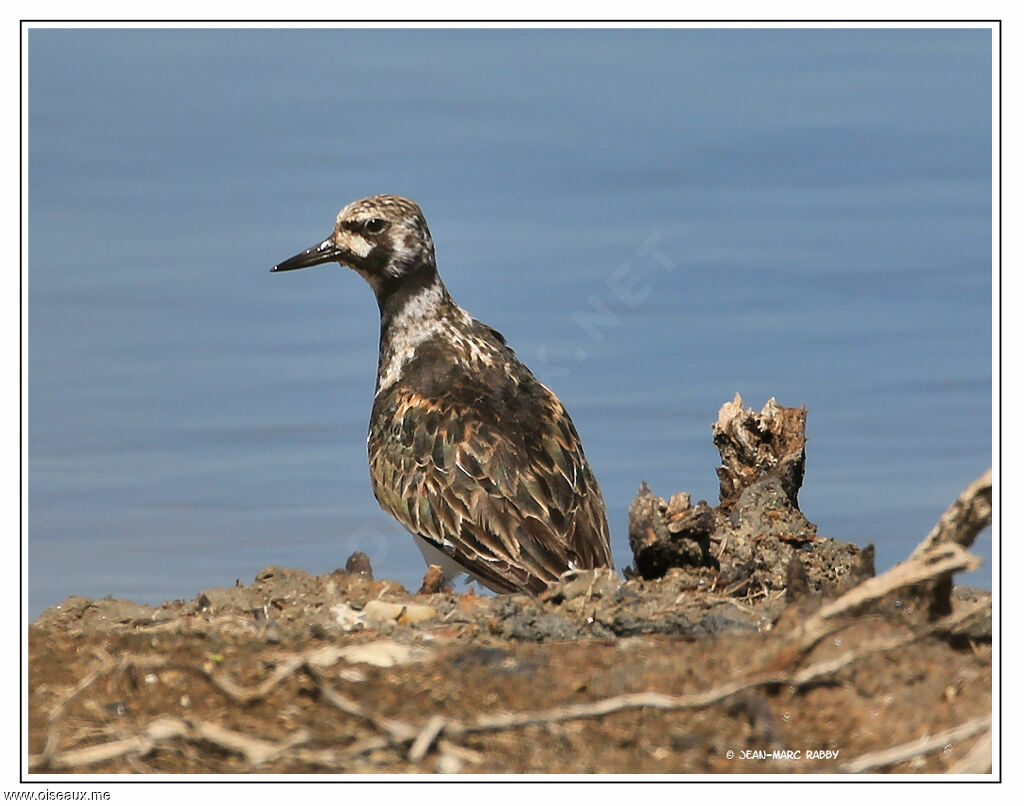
(477, 458)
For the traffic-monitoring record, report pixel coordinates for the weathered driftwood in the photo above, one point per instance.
(959, 525)
(935, 563)
(926, 745)
(965, 518)
(760, 535)
(978, 760)
(755, 444)
(757, 528)
(665, 535)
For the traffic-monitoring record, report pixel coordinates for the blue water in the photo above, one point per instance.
(655, 219)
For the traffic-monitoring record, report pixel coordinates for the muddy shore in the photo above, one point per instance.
(740, 640)
(343, 673)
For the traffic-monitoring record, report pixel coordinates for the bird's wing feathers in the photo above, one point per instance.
(514, 506)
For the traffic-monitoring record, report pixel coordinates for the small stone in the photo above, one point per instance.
(403, 613)
(359, 563)
(347, 617)
(384, 654)
(378, 610)
(416, 613)
(449, 764)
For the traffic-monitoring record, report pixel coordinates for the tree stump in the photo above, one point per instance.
(748, 543)
(753, 445)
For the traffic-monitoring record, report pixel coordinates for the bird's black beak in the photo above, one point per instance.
(323, 252)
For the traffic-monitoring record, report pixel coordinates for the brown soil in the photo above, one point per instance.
(342, 673)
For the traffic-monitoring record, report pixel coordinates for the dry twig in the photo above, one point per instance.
(965, 518)
(245, 695)
(935, 562)
(256, 751)
(978, 760)
(106, 665)
(919, 747)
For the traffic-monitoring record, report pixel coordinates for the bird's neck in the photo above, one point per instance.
(420, 297)
(418, 310)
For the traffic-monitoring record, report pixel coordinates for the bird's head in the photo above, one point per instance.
(384, 238)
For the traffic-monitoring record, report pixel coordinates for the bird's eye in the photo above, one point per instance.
(375, 226)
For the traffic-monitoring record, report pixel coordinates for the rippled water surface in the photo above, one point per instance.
(655, 219)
